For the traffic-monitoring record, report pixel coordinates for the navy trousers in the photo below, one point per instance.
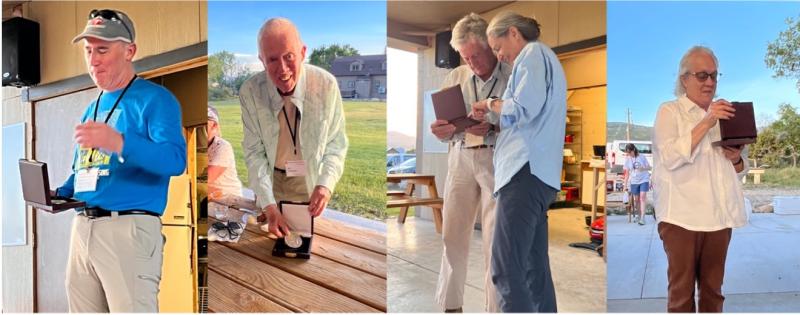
(520, 262)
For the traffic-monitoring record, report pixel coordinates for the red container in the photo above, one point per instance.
(571, 193)
(569, 138)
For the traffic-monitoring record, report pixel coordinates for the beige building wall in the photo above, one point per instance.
(160, 27)
(588, 92)
(17, 262)
(430, 78)
(561, 22)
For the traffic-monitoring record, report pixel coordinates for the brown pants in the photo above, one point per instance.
(694, 258)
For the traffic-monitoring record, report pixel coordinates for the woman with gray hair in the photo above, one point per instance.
(528, 157)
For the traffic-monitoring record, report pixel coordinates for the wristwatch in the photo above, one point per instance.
(489, 102)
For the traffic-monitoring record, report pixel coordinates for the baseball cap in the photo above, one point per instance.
(108, 25)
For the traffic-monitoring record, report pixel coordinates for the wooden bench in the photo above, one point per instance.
(347, 273)
(406, 199)
(756, 172)
(395, 193)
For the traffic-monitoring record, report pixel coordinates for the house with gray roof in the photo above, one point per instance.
(361, 77)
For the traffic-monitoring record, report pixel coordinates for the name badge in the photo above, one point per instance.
(86, 179)
(471, 140)
(295, 168)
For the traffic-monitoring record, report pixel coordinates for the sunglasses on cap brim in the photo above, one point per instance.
(110, 15)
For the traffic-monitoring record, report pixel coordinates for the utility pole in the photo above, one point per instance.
(628, 128)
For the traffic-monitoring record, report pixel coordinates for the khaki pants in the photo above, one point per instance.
(694, 257)
(468, 191)
(114, 264)
(286, 188)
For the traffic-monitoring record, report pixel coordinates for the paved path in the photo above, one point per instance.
(762, 270)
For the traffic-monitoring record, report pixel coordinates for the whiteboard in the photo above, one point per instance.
(14, 227)
(430, 144)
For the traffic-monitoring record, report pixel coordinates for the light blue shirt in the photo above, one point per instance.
(533, 118)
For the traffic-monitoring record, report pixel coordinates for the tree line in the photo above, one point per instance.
(226, 74)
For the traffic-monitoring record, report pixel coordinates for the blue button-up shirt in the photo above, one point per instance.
(533, 118)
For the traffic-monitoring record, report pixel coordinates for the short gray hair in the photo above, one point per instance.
(471, 26)
(528, 27)
(683, 67)
(272, 23)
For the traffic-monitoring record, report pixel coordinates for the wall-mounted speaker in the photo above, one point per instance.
(446, 56)
(20, 52)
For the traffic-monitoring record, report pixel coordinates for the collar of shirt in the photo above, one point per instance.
(297, 98)
(688, 105)
(522, 53)
(495, 75)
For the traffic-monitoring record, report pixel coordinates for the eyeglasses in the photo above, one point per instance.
(227, 230)
(112, 16)
(703, 76)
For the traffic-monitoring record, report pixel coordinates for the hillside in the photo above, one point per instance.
(395, 139)
(616, 131)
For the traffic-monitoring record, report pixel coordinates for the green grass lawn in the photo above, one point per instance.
(362, 188)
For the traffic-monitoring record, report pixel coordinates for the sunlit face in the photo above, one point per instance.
(700, 92)
(106, 61)
(507, 47)
(479, 57)
(212, 130)
(282, 54)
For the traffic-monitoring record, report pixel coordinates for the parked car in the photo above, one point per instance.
(409, 166)
(393, 159)
(616, 155)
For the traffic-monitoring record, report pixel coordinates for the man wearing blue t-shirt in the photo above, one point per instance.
(129, 143)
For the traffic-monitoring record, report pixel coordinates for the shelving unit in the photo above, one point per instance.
(571, 170)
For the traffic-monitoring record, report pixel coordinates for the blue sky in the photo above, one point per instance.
(233, 26)
(647, 40)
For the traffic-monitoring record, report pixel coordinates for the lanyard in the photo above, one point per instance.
(475, 87)
(97, 105)
(97, 102)
(293, 133)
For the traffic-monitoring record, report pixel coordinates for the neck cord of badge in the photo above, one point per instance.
(475, 87)
(292, 133)
(97, 105)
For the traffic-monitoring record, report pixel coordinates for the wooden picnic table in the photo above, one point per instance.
(346, 273)
(404, 199)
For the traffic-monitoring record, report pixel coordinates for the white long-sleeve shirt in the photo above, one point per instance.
(698, 190)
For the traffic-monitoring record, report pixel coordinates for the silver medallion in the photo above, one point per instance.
(293, 240)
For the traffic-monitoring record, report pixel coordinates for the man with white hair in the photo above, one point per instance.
(294, 130)
(130, 143)
(698, 194)
(470, 174)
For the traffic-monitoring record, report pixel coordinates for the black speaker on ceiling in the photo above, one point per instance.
(446, 56)
(20, 52)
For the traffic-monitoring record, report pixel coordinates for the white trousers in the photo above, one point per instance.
(467, 193)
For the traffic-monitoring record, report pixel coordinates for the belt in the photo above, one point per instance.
(280, 170)
(462, 143)
(92, 213)
(482, 146)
